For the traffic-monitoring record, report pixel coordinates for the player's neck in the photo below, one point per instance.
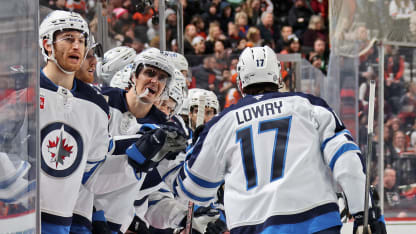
(57, 76)
(137, 108)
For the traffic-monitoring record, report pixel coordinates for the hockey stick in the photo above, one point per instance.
(199, 121)
(369, 152)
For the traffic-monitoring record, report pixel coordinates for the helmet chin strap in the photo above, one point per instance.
(139, 97)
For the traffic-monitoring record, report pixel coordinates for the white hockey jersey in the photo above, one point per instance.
(279, 155)
(74, 139)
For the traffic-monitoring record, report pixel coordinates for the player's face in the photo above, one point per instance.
(209, 114)
(86, 72)
(166, 106)
(69, 50)
(152, 79)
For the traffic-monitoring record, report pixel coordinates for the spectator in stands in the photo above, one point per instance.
(232, 33)
(254, 37)
(283, 42)
(226, 15)
(58, 5)
(196, 57)
(299, 16)
(221, 54)
(402, 165)
(200, 25)
(142, 18)
(408, 106)
(316, 29)
(268, 31)
(241, 21)
(393, 77)
(316, 61)
(319, 47)
(210, 15)
(391, 192)
(253, 11)
(79, 6)
(190, 33)
(204, 75)
(294, 45)
(241, 45)
(320, 7)
(214, 34)
(171, 25)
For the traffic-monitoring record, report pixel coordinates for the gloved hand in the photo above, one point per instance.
(375, 221)
(202, 217)
(153, 145)
(216, 227)
(197, 132)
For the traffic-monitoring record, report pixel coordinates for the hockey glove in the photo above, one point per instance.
(153, 145)
(375, 221)
(202, 217)
(197, 132)
(217, 227)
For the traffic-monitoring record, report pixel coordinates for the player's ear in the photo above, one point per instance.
(47, 46)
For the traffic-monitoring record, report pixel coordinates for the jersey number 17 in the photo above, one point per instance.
(281, 126)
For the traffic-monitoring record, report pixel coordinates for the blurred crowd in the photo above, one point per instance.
(215, 33)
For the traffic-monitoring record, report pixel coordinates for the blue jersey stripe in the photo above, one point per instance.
(344, 148)
(192, 196)
(201, 182)
(316, 219)
(332, 137)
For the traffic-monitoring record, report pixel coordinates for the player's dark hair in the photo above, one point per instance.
(139, 69)
(261, 88)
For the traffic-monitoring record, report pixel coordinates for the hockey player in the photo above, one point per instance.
(74, 127)
(278, 154)
(130, 110)
(86, 72)
(211, 105)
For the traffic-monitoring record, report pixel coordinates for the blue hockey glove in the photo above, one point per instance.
(153, 145)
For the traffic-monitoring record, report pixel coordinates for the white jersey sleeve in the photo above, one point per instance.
(164, 210)
(342, 155)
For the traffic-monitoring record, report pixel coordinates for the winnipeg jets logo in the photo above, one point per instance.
(58, 149)
(61, 149)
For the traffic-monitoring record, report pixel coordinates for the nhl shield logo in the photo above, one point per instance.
(61, 149)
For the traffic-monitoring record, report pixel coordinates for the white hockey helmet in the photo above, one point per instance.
(122, 78)
(211, 99)
(114, 60)
(58, 21)
(176, 93)
(258, 65)
(179, 61)
(181, 80)
(155, 58)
